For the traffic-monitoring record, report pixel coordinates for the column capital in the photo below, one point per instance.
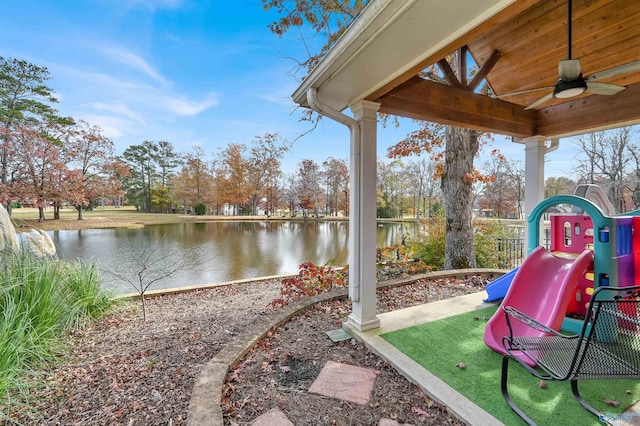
(534, 143)
(540, 143)
(530, 139)
(364, 109)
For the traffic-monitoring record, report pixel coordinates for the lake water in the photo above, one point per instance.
(215, 251)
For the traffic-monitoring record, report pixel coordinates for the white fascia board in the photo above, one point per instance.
(376, 16)
(387, 40)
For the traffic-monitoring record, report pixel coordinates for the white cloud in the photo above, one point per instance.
(279, 99)
(134, 99)
(129, 107)
(97, 80)
(187, 107)
(132, 60)
(278, 91)
(112, 127)
(119, 109)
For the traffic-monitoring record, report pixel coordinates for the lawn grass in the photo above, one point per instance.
(123, 217)
(99, 217)
(440, 346)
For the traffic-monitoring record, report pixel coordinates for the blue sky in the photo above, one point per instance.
(191, 72)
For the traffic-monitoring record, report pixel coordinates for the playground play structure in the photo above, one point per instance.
(590, 247)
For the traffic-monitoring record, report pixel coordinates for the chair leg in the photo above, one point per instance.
(585, 404)
(505, 392)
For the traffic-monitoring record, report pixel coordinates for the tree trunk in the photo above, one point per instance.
(461, 147)
(79, 208)
(40, 214)
(56, 211)
(635, 196)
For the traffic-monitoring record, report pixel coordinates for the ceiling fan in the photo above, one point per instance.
(572, 83)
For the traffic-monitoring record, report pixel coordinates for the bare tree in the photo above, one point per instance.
(633, 179)
(290, 194)
(335, 176)
(505, 192)
(308, 189)
(145, 267)
(263, 166)
(605, 160)
(424, 183)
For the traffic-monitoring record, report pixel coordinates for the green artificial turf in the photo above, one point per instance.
(440, 345)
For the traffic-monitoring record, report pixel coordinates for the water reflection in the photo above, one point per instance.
(230, 250)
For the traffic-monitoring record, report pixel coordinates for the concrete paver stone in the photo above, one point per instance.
(389, 422)
(273, 417)
(346, 382)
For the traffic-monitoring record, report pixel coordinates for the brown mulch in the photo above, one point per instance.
(123, 371)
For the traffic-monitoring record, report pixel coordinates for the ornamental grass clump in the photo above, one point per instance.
(8, 238)
(41, 299)
(40, 243)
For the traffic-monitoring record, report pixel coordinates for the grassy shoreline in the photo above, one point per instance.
(127, 217)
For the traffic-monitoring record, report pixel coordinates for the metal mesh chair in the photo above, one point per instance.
(608, 346)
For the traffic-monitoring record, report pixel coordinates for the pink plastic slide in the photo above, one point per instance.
(542, 289)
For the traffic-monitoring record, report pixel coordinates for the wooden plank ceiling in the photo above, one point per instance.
(521, 47)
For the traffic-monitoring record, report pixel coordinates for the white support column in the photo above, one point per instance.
(362, 219)
(534, 176)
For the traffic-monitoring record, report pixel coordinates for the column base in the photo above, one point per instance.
(360, 325)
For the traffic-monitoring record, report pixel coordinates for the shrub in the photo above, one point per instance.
(200, 209)
(491, 244)
(82, 282)
(428, 244)
(396, 261)
(488, 241)
(311, 280)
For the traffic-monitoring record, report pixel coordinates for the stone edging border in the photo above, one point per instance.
(204, 405)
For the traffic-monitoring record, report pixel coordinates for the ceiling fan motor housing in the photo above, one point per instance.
(569, 88)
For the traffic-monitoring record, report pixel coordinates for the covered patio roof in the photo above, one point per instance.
(378, 63)
(516, 43)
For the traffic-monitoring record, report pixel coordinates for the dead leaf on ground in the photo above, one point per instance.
(420, 412)
(611, 402)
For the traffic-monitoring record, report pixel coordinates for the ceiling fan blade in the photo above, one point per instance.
(569, 69)
(612, 72)
(522, 92)
(603, 88)
(540, 101)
